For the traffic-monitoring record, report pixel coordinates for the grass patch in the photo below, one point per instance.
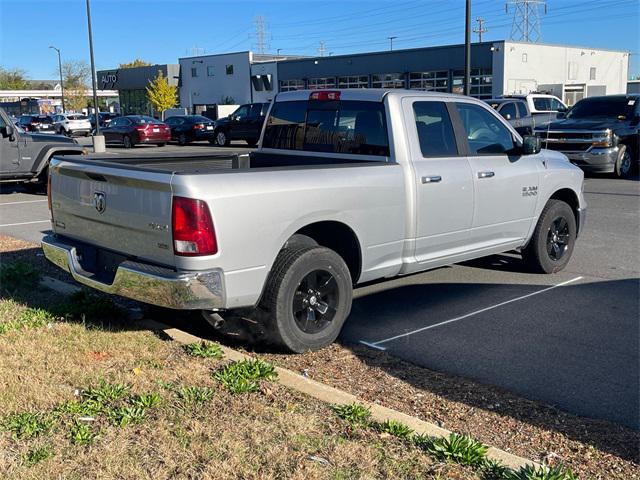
(204, 350)
(543, 472)
(106, 392)
(37, 455)
(245, 376)
(28, 424)
(27, 319)
(127, 415)
(82, 434)
(395, 428)
(87, 306)
(354, 413)
(194, 394)
(18, 276)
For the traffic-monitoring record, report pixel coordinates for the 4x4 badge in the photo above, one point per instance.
(100, 201)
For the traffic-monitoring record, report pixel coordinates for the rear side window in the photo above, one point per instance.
(522, 108)
(542, 104)
(435, 131)
(509, 108)
(350, 127)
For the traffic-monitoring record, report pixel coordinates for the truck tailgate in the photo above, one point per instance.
(115, 208)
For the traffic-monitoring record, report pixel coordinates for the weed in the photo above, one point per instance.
(195, 394)
(19, 275)
(37, 455)
(493, 470)
(456, 448)
(87, 306)
(85, 408)
(28, 424)
(543, 472)
(245, 376)
(82, 434)
(106, 392)
(146, 400)
(204, 350)
(355, 413)
(28, 318)
(395, 428)
(123, 416)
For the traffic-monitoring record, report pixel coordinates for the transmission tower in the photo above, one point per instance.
(480, 30)
(261, 34)
(322, 49)
(526, 19)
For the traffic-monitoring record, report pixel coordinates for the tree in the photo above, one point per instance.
(136, 63)
(76, 75)
(13, 79)
(162, 95)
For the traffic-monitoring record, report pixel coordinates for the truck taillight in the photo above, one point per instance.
(193, 233)
(325, 95)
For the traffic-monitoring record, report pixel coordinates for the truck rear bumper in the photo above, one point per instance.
(143, 282)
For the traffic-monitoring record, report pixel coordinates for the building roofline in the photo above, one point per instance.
(214, 55)
(563, 45)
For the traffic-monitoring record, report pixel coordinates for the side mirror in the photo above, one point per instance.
(8, 131)
(531, 145)
(507, 116)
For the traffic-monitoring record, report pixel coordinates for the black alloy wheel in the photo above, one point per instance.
(315, 301)
(558, 238)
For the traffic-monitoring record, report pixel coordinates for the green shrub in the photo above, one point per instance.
(123, 416)
(194, 394)
(106, 392)
(455, 448)
(204, 350)
(354, 413)
(18, 276)
(28, 424)
(543, 472)
(245, 376)
(146, 400)
(82, 434)
(395, 428)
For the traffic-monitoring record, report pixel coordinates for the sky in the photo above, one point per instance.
(161, 31)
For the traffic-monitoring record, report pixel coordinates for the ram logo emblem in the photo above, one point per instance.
(100, 201)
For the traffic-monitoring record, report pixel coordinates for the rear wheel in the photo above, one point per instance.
(553, 239)
(221, 138)
(126, 141)
(182, 139)
(161, 144)
(307, 299)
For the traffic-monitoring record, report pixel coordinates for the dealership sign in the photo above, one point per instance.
(109, 80)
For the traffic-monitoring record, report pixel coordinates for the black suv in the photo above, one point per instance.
(36, 123)
(598, 134)
(243, 124)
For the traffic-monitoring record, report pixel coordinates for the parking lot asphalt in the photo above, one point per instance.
(570, 339)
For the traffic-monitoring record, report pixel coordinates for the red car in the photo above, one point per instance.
(136, 129)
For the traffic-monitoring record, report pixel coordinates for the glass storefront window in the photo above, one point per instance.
(134, 102)
(481, 82)
(288, 85)
(322, 83)
(436, 81)
(357, 81)
(388, 80)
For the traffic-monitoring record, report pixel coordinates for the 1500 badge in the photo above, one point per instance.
(530, 191)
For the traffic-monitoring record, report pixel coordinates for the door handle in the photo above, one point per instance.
(485, 174)
(433, 179)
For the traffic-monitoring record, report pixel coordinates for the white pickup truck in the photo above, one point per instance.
(347, 187)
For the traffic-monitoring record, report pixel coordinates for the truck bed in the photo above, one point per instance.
(190, 164)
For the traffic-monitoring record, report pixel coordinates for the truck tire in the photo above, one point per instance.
(554, 237)
(307, 298)
(624, 163)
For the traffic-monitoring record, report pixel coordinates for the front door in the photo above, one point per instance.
(442, 180)
(505, 183)
(239, 122)
(9, 150)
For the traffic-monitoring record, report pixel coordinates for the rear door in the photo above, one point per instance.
(240, 123)
(254, 122)
(115, 208)
(505, 184)
(443, 180)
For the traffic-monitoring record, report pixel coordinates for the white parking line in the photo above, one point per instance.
(18, 203)
(24, 223)
(377, 346)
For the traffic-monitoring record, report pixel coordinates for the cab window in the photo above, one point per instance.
(434, 128)
(508, 108)
(486, 135)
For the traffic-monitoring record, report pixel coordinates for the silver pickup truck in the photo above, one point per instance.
(347, 187)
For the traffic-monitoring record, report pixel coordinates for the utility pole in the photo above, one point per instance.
(480, 30)
(98, 140)
(61, 82)
(391, 42)
(261, 34)
(322, 49)
(467, 49)
(525, 26)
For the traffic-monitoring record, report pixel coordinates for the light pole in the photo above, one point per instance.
(61, 83)
(391, 42)
(467, 49)
(98, 140)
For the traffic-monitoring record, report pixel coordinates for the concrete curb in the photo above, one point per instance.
(332, 395)
(314, 389)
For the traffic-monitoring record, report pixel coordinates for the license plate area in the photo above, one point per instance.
(101, 265)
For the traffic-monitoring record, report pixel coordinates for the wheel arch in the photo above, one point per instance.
(337, 236)
(570, 197)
